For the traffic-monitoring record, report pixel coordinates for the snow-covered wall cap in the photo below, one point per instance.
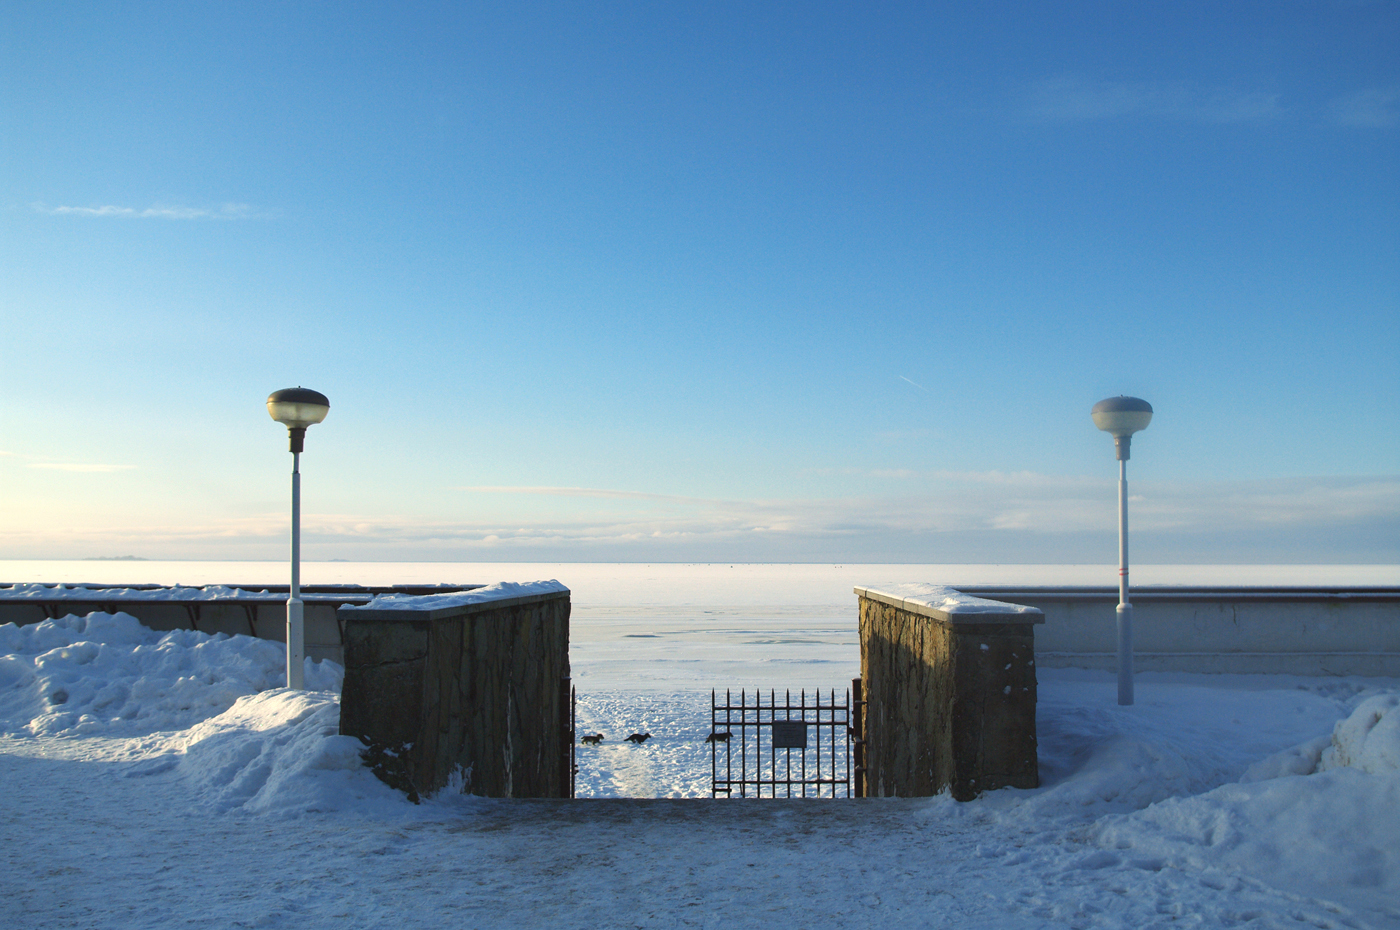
(439, 606)
(213, 592)
(949, 605)
(185, 594)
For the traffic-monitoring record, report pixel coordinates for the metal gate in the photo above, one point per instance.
(790, 750)
(568, 710)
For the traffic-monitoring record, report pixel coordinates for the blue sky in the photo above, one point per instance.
(715, 282)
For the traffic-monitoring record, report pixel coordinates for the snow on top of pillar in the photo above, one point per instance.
(948, 604)
(432, 604)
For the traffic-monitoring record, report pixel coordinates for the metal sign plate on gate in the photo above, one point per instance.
(789, 735)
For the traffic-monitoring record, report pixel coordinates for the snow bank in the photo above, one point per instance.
(235, 736)
(279, 753)
(1369, 739)
(1184, 736)
(1322, 817)
(107, 675)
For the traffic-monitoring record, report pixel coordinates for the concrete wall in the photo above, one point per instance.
(472, 692)
(1301, 631)
(250, 610)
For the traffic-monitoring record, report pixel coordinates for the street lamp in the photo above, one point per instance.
(296, 408)
(1122, 416)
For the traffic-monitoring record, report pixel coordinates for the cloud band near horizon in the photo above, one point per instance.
(1034, 519)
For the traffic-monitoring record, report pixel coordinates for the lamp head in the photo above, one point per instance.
(1122, 416)
(297, 408)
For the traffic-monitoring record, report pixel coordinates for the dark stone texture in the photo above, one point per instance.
(948, 706)
(473, 694)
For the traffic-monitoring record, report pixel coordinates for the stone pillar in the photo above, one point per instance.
(950, 692)
(461, 687)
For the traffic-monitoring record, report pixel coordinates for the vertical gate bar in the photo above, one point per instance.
(573, 742)
(787, 717)
(832, 759)
(714, 748)
(803, 712)
(819, 743)
(858, 731)
(566, 737)
(728, 758)
(743, 744)
(833, 746)
(846, 767)
(759, 777)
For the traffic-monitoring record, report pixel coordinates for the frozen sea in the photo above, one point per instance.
(165, 780)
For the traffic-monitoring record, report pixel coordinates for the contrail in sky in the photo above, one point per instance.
(919, 386)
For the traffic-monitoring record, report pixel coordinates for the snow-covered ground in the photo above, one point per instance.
(163, 780)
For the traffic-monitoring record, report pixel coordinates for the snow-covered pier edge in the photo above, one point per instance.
(231, 609)
(1296, 630)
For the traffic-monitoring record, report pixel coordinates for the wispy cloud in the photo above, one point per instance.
(580, 492)
(956, 478)
(1073, 98)
(228, 211)
(80, 466)
(1374, 107)
(919, 386)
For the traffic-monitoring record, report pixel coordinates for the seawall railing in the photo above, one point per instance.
(1310, 630)
(1292, 630)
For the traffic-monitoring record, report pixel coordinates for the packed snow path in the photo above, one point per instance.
(94, 847)
(163, 781)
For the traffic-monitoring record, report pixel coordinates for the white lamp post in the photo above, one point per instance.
(296, 408)
(1122, 416)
